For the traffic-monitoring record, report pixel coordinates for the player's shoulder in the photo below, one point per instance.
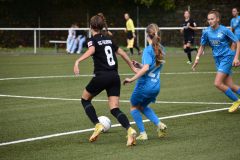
(148, 48)
(223, 28)
(192, 20)
(206, 30)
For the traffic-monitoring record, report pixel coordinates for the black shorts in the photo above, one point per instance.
(109, 81)
(189, 39)
(129, 35)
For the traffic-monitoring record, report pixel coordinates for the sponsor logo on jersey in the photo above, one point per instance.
(90, 43)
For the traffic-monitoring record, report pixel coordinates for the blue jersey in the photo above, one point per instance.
(151, 79)
(219, 40)
(235, 24)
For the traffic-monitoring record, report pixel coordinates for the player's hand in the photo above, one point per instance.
(195, 65)
(76, 69)
(236, 62)
(127, 80)
(137, 64)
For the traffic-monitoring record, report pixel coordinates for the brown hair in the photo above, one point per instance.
(215, 12)
(98, 22)
(153, 33)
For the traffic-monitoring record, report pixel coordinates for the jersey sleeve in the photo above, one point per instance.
(90, 43)
(194, 23)
(230, 35)
(147, 58)
(115, 46)
(204, 38)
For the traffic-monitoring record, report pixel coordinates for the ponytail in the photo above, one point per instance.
(104, 23)
(153, 33)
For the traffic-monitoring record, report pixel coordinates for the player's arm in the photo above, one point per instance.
(126, 59)
(194, 27)
(236, 58)
(235, 43)
(231, 25)
(200, 52)
(141, 72)
(87, 54)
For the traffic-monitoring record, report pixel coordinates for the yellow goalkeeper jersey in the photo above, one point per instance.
(130, 25)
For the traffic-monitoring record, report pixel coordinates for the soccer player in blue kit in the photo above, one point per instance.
(148, 85)
(235, 23)
(218, 37)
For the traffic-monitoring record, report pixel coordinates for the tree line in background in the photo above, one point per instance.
(62, 13)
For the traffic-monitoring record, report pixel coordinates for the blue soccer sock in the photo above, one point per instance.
(238, 91)
(149, 113)
(231, 95)
(136, 114)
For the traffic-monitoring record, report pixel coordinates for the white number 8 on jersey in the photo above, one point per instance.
(109, 54)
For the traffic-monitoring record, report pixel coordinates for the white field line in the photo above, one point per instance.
(113, 126)
(90, 75)
(102, 100)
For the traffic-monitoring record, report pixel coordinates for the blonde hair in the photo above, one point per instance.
(153, 33)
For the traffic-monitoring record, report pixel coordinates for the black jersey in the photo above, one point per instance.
(104, 57)
(188, 32)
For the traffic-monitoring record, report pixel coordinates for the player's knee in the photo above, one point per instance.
(86, 103)
(217, 84)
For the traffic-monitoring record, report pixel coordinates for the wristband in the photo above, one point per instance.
(197, 58)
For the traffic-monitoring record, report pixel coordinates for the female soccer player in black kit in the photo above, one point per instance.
(103, 51)
(189, 25)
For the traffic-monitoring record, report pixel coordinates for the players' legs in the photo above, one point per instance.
(74, 46)
(88, 107)
(150, 114)
(220, 84)
(187, 50)
(113, 102)
(137, 117)
(136, 46)
(113, 92)
(81, 40)
(229, 82)
(130, 43)
(68, 43)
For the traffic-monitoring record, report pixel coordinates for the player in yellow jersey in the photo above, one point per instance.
(130, 30)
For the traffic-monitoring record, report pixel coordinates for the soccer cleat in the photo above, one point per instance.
(98, 129)
(131, 136)
(234, 106)
(142, 137)
(189, 62)
(162, 130)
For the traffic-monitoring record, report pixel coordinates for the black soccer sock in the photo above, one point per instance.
(131, 50)
(189, 54)
(121, 117)
(90, 111)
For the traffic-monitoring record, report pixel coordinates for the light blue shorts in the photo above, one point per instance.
(224, 64)
(143, 97)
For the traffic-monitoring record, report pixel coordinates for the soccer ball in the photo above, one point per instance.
(106, 122)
